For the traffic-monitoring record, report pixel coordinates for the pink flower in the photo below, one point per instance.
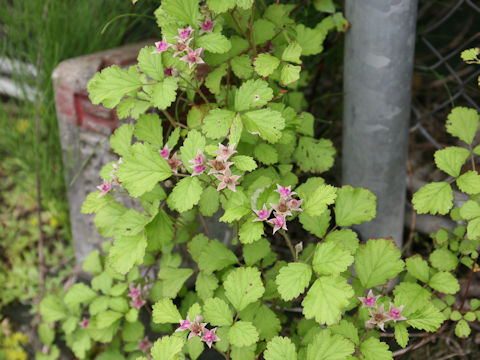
(170, 71)
(184, 324)
(224, 152)
(134, 291)
(137, 303)
(196, 327)
(378, 317)
(209, 337)
(218, 166)
(198, 163)
(227, 180)
(394, 313)
(184, 34)
(181, 47)
(295, 204)
(282, 208)
(278, 222)
(262, 214)
(285, 192)
(144, 345)
(84, 323)
(165, 152)
(206, 26)
(193, 57)
(370, 300)
(105, 188)
(174, 163)
(161, 46)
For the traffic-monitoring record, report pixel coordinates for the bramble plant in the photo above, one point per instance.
(221, 148)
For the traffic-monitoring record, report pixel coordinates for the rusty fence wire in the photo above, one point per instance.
(441, 79)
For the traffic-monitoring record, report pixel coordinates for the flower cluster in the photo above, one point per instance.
(197, 328)
(182, 47)
(107, 186)
(378, 315)
(173, 161)
(145, 346)
(286, 204)
(135, 294)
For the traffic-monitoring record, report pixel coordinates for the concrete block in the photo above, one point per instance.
(84, 134)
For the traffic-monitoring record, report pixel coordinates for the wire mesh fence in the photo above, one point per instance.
(442, 80)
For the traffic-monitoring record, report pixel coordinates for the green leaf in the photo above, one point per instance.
(347, 330)
(165, 312)
(107, 217)
(401, 333)
(149, 129)
(121, 139)
(243, 333)
(244, 4)
(473, 229)
(111, 84)
(209, 201)
(216, 256)
(266, 154)
(243, 286)
(293, 279)
(443, 259)
(214, 78)
(326, 299)
(418, 268)
(412, 296)
(444, 282)
(311, 40)
(215, 43)
(184, 10)
(374, 349)
(151, 64)
(317, 225)
(451, 159)
(250, 231)
(185, 194)
(290, 74)
(252, 94)
(264, 122)
(280, 348)
(132, 107)
(173, 279)
(159, 231)
(173, 138)
(306, 124)
(462, 329)
(292, 53)
(79, 293)
(326, 346)
(142, 169)
(377, 261)
(107, 318)
(194, 142)
(52, 309)
(132, 331)
(167, 348)
(195, 347)
(243, 353)
(469, 182)
(317, 201)
(433, 198)
(346, 237)
(130, 223)
(217, 123)
(264, 319)
(265, 64)
(244, 163)
(127, 251)
(428, 318)
(354, 206)
(237, 206)
(205, 285)
(236, 130)
(325, 5)
(46, 334)
(314, 155)
(220, 6)
(331, 258)
(462, 123)
(470, 55)
(92, 263)
(256, 251)
(263, 30)
(217, 312)
(165, 92)
(242, 66)
(80, 343)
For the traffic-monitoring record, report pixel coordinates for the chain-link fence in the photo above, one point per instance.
(442, 80)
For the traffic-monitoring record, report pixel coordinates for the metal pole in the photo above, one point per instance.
(379, 52)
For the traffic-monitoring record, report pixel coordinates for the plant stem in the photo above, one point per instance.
(470, 276)
(289, 243)
(204, 224)
(232, 12)
(250, 27)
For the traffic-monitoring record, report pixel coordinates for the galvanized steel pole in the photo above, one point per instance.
(379, 52)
